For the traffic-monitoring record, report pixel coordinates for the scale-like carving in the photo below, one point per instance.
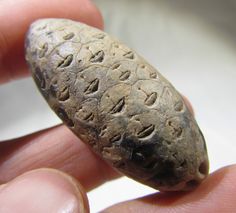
(179, 105)
(97, 57)
(100, 36)
(116, 66)
(146, 131)
(118, 106)
(92, 87)
(129, 55)
(87, 112)
(151, 98)
(64, 94)
(69, 36)
(125, 75)
(103, 131)
(117, 103)
(66, 61)
(115, 138)
(86, 116)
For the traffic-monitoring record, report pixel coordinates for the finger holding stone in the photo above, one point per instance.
(58, 148)
(43, 190)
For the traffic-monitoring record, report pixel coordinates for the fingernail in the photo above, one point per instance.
(43, 190)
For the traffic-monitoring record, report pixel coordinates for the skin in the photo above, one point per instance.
(74, 169)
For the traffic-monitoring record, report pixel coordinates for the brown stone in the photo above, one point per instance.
(117, 103)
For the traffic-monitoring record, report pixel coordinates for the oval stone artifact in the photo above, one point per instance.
(117, 103)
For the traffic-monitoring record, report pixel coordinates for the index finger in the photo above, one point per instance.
(16, 16)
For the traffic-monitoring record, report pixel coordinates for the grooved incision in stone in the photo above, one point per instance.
(117, 103)
(66, 61)
(97, 57)
(118, 106)
(125, 75)
(69, 36)
(92, 87)
(89, 117)
(87, 111)
(176, 131)
(64, 94)
(116, 66)
(179, 106)
(103, 131)
(115, 138)
(150, 100)
(153, 75)
(41, 28)
(146, 131)
(129, 55)
(100, 36)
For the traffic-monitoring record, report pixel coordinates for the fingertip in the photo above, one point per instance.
(188, 104)
(43, 190)
(74, 186)
(97, 18)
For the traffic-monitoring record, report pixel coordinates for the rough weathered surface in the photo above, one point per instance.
(116, 102)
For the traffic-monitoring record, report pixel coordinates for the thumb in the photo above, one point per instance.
(43, 190)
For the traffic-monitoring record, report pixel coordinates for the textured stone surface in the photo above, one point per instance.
(116, 102)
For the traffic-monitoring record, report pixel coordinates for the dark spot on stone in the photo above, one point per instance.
(138, 157)
(165, 170)
(128, 143)
(142, 154)
(192, 183)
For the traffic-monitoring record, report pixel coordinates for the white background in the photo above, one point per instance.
(192, 43)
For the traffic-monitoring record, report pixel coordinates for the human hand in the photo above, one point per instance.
(25, 188)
